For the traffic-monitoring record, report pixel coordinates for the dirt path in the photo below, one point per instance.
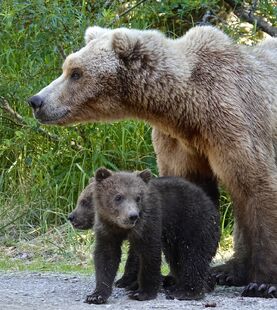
(28, 291)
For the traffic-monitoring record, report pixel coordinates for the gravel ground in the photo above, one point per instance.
(25, 290)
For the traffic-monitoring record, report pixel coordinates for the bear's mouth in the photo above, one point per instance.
(129, 225)
(46, 119)
(78, 225)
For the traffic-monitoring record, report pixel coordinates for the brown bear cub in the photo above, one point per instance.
(166, 213)
(82, 217)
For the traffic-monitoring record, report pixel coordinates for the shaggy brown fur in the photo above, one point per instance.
(213, 106)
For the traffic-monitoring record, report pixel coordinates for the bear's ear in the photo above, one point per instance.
(102, 174)
(94, 33)
(92, 179)
(126, 44)
(146, 175)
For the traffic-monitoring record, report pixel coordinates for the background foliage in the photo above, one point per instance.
(44, 168)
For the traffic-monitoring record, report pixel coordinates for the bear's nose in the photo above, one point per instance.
(35, 102)
(71, 217)
(133, 217)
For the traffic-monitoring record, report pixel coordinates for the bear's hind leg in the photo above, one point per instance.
(251, 178)
(190, 271)
(233, 272)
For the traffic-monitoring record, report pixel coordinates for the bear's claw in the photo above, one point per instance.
(95, 298)
(260, 290)
(229, 274)
(224, 278)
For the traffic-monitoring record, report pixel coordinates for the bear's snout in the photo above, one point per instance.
(36, 102)
(71, 217)
(133, 217)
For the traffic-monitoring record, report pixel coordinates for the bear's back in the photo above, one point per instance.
(185, 206)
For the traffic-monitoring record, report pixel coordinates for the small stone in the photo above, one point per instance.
(74, 280)
(210, 305)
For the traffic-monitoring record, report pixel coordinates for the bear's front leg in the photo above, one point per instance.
(107, 258)
(130, 276)
(149, 277)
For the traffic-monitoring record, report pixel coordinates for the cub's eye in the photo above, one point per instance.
(138, 199)
(75, 75)
(118, 198)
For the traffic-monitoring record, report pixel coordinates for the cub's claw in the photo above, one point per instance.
(95, 298)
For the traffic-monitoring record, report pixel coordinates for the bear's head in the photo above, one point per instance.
(119, 196)
(93, 84)
(82, 217)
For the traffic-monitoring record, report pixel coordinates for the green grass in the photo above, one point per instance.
(42, 266)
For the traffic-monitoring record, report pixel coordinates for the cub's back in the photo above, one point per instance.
(185, 205)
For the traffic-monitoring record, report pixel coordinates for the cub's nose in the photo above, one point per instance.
(133, 217)
(71, 217)
(35, 102)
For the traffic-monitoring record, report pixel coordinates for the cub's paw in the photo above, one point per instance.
(168, 282)
(142, 295)
(124, 282)
(95, 298)
(260, 290)
(132, 287)
(181, 294)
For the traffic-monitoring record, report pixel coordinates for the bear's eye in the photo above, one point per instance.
(75, 75)
(118, 197)
(138, 199)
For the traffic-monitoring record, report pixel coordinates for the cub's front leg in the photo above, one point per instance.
(130, 276)
(107, 256)
(149, 277)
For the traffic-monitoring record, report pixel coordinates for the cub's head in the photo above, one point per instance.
(91, 87)
(119, 196)
(82, 217)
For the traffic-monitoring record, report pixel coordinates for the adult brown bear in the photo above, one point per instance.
(212, 104)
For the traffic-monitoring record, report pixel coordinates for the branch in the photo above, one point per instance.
(61, 51)
(19, 121)
(4, 105)
(8, 109)
(125, 12)
(248, 16)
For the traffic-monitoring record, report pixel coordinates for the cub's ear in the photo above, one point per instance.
(146, 175)
(102, 174)
(92, 179)
(94, 33)
(126, 43)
